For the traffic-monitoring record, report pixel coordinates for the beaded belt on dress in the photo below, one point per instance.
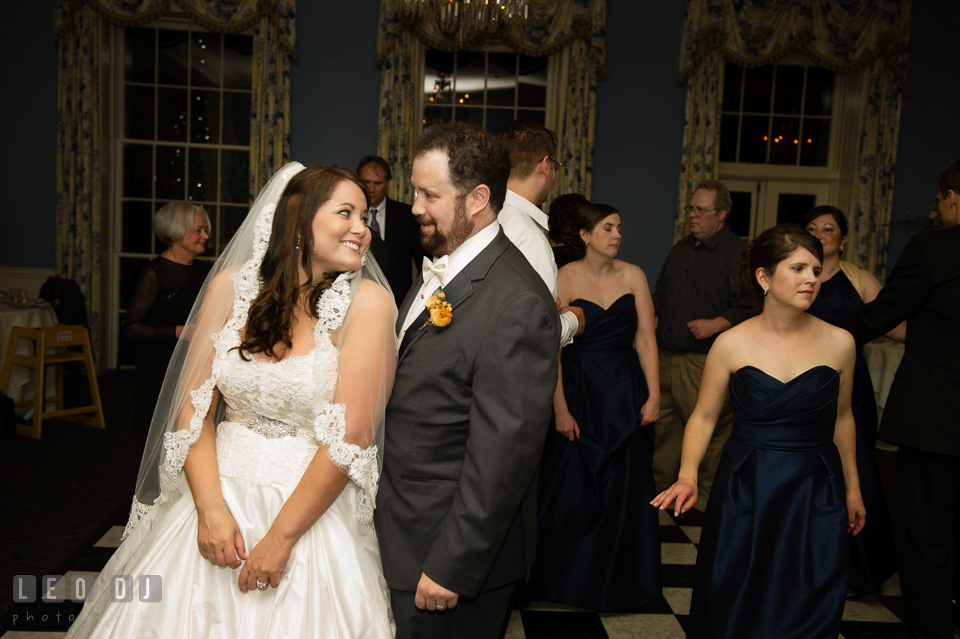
(270, 428)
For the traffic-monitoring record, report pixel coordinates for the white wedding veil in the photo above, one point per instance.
(353, 438)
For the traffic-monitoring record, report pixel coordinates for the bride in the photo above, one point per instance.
(255, 500)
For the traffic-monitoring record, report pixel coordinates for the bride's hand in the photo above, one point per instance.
(683, 491)
(265, 563)
(219, 538)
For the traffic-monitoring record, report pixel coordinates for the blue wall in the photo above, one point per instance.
(28, 113)
(640, 127)
(930, 122)
(335, 95)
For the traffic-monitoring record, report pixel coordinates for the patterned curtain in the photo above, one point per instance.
(576, 27)
(840, 35)
(79, 201)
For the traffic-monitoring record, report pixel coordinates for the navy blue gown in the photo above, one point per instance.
(772, 560)
(598, 539)
(873, 550)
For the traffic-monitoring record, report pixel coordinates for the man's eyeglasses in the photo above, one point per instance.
(556, 165)
(695, 211)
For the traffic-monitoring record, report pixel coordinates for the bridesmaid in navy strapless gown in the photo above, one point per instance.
(772, 560)
(598, 540)
(873, 551)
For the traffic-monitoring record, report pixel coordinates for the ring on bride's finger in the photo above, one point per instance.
(261, 585)
(441, 607)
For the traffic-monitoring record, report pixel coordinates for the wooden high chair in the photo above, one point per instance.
(56, 339)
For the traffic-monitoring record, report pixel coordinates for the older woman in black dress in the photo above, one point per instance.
(162, 298)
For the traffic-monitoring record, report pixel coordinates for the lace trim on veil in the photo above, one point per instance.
(360, 464)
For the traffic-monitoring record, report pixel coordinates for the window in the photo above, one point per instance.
(777, 114)
(488, 88)
(788, 137)
(181, 132)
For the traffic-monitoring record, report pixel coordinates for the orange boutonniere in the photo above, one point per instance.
(441, 313)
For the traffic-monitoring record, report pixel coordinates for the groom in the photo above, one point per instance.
(465, 426)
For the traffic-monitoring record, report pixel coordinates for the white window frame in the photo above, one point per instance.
(831, 184)
(113, 68)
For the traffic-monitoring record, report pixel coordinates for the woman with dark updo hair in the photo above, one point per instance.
(772, 560)
(561, 209)
(597, 544)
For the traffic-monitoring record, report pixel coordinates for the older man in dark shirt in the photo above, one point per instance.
(696, 298)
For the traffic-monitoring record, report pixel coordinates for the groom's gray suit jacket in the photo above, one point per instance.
(465, 428)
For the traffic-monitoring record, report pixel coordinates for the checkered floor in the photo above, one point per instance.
(873, 617)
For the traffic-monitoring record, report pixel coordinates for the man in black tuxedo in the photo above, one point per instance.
(393, 222)
(465, 426)
(922, 414)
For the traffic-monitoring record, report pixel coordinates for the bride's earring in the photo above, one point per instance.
(765, 292)
(297, 246)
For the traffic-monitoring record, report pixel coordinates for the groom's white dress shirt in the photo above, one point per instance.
(526, 225)
(455, 262)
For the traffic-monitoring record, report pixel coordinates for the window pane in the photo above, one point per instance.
(438, 77)
(138, 58)
(205, 117)
(789, 91)
(791, 207)
(237, 62)
(236, 118)
(498, 118)
(172, 115)
(137, 170)
(732, 80)
(171, 172)
(469, 80)
(231, 217)
(536, 116)
(756, 91)
(473, 116)
(786, 134)
(433, 115)
(739, 219)
(136, 229)
(234, 176)
(173, 57)
(532, 90)
(753, 139)
(205, 60)
(502, 79)
(202, 184)
(138, 112)
(728, 137)
(816, 142)
(819, 91)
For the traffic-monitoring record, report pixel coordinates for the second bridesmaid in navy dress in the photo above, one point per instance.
(598, 544)
(772, 560)
(844, 288)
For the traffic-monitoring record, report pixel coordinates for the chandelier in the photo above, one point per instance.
(465, 15)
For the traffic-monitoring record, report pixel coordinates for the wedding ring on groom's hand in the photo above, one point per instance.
(441, 607)
(261, 585)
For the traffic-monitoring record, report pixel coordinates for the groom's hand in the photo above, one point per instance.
(433, 596)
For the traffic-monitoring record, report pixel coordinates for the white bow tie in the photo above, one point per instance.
(437, 267)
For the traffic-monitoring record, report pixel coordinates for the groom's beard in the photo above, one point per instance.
(437, 242)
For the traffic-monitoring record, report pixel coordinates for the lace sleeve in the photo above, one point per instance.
(359, 464)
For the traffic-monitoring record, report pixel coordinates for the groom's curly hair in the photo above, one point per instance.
(271, 313)
(475, 157)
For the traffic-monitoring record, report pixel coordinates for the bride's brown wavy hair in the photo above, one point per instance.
(271, 313)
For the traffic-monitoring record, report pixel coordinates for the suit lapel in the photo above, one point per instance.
(407, 301)
(457, 291)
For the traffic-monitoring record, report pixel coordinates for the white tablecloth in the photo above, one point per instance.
(21, 379)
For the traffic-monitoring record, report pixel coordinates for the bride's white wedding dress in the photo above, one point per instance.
(278, 414)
